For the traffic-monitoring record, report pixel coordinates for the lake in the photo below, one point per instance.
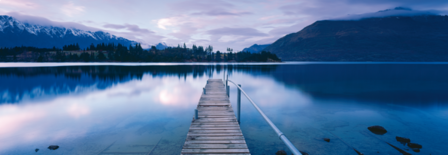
(131, 108)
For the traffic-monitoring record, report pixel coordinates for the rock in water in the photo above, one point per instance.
(53, 147)
(281, 152)
(379, 130)
(403, 139)
(414, 145)
(36, 149)
(327, 139)
(416, 150)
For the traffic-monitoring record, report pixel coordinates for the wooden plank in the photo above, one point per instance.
(216, 154)
(212, 113)
(214, 108)
(214, 123)
(216, 130)
(214, 134)
(186, 151)
(203, 138)
(216, 142)
(215, 126)
(211, 116)
(227, 112)
(215, 146)
(220, 100)
(213, 104)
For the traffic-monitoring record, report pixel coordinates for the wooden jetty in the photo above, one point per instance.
(216, 131)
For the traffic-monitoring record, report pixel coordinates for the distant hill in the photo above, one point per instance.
(393, 38)
(17, 33)
(255, 48)
(161, 46)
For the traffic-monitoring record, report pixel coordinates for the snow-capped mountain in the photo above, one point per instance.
(17, 33)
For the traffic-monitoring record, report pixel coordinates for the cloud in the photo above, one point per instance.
(234, 37)
(114, 26)
(189, 5)
(205, 21)
(185, 32)
(19, 3)
(130, 27)
(46, 22)
(134, 32)
(236, 31)
(146, 39)
(410, 3)
(398, 11)
(165, 22)
(70, 9)
(221, 13)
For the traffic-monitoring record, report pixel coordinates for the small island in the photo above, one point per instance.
(118, 53)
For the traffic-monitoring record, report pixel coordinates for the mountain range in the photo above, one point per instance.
(17, 33)
(391, 38)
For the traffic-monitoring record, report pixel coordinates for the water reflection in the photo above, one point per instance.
(148, 109)
(42, 82)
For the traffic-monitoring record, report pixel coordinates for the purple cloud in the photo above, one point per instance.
(114, 26)
(208, 8)
(130, 27)
(236, 32)
(221, 13)
(410, 3)
(398, 11)
(200, 5)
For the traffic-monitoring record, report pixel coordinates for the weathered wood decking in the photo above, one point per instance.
(217, 130)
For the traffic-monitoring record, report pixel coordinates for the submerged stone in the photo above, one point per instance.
(327, 139)
(416, 149)
(403, 139)
(379, 130)
(414, 145)
(281, 152)
(36, 149)
(53, 147)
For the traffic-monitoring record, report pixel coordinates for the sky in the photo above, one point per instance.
(221, 23)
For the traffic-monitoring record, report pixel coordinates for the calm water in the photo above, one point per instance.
(147, 109)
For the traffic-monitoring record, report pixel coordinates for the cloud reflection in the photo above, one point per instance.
(78, 110)
(98, 110)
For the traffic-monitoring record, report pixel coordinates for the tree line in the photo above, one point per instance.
(133, 53)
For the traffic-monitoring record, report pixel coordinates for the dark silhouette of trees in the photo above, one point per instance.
(71, 47)
(134, 53)
(218, 56)
(101, 56)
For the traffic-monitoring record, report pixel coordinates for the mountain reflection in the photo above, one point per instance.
(387, 83)
(418, 84)
(42, 82)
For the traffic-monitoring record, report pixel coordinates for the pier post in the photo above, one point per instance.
(238, 101)
(195, 114)
(228, 90)
(204, 91)
(227, 79)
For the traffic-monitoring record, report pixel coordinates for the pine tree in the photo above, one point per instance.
(218, 56)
